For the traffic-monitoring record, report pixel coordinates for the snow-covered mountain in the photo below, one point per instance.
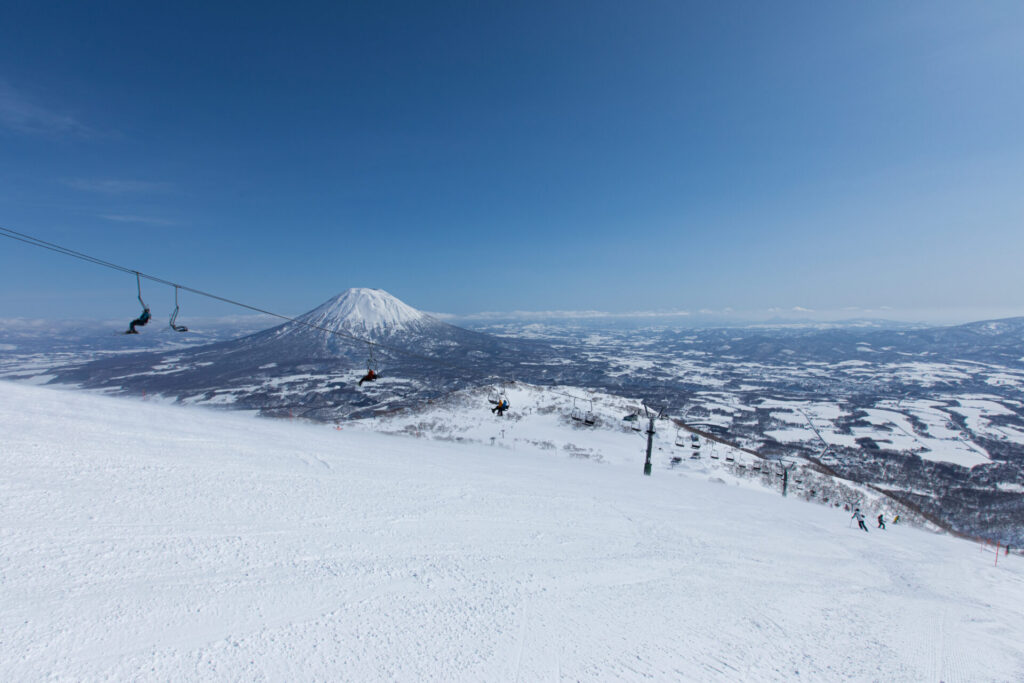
(370, 314)
(365, 311)
(311, 366)
(333, 329)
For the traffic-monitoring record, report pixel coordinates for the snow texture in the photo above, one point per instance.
(141, 541)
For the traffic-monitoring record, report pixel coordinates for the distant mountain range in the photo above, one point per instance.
(311, 366)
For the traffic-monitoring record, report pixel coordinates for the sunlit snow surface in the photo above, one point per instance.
(149, 542)
(362, 309)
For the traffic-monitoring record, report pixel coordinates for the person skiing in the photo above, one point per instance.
(140, 321)
(881, 522)
(370, 376)
(500, 406)
(860, 519)
(896, 519)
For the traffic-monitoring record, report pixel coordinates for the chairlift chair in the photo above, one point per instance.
(145, 316)
(174, 316)
(695, 455)
(589, 418)
(372, 371)
(680, 438)
(498, 396)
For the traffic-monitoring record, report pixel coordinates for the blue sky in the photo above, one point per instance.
(837, 157)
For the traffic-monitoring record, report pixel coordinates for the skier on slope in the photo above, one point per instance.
(896, 519)
(860, 519)
(881, 522)
(140, 321)
(370, 376)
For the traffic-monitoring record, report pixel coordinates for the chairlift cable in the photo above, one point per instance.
(34, 241)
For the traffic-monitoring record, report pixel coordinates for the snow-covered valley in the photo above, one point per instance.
(149, 541)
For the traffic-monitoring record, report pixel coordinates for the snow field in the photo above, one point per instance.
(151, 542)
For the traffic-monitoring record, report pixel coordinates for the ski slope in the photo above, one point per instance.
(150, 542)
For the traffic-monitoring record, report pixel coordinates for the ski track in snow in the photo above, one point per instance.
(150, 542)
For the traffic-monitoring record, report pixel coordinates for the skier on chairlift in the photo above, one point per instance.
(140, 321)
(500, 406)
(371, 368)
(146, 315)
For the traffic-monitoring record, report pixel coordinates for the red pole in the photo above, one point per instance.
(997, 555)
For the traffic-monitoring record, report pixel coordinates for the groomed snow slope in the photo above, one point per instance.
(141, 541)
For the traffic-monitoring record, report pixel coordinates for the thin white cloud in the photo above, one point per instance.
(125, 218)
(773, 314)
(111, 186)
(20, 114)
(559, 315)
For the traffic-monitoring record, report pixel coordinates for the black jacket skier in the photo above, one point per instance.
(881, 522)
(140, 322)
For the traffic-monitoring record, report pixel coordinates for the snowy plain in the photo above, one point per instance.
(141, 541)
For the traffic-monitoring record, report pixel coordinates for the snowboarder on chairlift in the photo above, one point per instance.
(881, 522)
(500, 406)
(860, 519)
(140, 321)
(370, 376)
